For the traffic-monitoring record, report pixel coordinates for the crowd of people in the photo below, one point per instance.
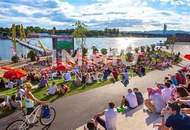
(170, 99)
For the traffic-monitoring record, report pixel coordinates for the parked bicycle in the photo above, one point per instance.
(45, 114)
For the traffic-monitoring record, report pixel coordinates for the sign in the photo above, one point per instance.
(63, 42)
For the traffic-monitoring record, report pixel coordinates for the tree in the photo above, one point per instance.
(32, 55)
(104, 51)
(15, 59)
(153, 47)
(129, 57)
(80, 32)
(148, 49)
(171, 40)
(137, 50)
(142, 49)
(95, 49)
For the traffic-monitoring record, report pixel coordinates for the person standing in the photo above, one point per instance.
(125, 80)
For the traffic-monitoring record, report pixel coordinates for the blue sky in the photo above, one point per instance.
(129, 15)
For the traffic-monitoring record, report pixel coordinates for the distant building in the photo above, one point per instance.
(37, 35)
(165, 29)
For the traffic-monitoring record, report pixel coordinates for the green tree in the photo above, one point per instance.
(148, 49)
(32, 55)
(80, 32)
(15, 59)
(104, 51)
(137, 50)
(142, 49)
(95, 49)
(172, 40)
(153, 47)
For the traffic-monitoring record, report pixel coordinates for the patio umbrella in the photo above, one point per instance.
(187, 56)
(7, 68)
(14, 74)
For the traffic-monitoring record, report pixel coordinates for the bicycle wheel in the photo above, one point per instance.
(47, 121)
(18, 125)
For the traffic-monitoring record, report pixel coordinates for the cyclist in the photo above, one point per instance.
(30, 99)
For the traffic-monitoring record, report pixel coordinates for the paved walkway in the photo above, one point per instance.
(76, 110)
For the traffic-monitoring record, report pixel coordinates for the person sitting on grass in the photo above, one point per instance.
(130, 100)
(43, 82)
(14, 104)
(115, 74)
(2, 83)
(139, 96)
(10, 84)
(52, 90)
(64, 89)
(110, 117)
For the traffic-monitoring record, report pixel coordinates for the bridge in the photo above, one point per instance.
(28, 45)
(41, 48)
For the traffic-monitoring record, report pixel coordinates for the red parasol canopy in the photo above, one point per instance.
(62, 67)
(14, 74)
(187, 56)
(7, 68)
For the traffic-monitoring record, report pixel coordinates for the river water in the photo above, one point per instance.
(119, 43)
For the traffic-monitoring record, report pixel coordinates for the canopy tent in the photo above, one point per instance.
(14, 74)
(62, 66)
(187, 56)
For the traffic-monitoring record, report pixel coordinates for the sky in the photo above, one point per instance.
(127, 15)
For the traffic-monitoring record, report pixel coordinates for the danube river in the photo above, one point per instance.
(119, 43)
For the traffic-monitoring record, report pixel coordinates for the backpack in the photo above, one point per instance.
(45, 112)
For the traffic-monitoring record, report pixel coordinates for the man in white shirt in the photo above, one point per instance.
(130, 99)
(52, 90)
(110, 117)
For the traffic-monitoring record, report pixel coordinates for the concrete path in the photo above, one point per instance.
(76, 110)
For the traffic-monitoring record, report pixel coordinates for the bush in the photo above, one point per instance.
(95, 49)
(15, 59)
(84, 51)
(31, 55)
(153, 47)
(104, 51)
(137, 50)
(129, 57)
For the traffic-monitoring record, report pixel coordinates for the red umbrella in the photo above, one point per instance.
(60, 68)
(14, 74)
(187, 56)
(7, 68)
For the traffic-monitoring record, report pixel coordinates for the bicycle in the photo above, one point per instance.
(32, 119)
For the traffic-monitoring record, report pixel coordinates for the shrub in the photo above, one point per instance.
(84, 51)
(153, 47)
(95, 49)
(32, 55)
(104, 51)
(129, 57)
(142, 49)
(137, 50)
(15, 59)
